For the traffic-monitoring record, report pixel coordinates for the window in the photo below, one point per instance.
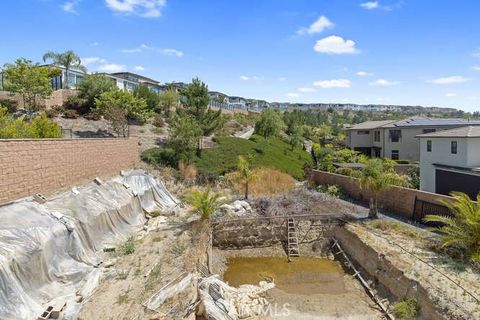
(429, 145)
(376, 138)
(363, 132)
(429, 130)
(453, 147)
(395, 155)
(395, 135)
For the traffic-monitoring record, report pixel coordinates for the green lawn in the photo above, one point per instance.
(274, 153)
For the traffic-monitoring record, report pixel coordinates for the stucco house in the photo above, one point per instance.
(450, 161)
(397, 140)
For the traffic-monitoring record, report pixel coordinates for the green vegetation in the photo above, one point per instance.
(332, 190)
(167, 100)
(183, 139)
(204, 202)
(460, 233)
(326, 155)
(134, 108)
(90, 89)
(270, 123)
(39, 127)
(407, 309)
(128, 247)
(376, 177)
(274, 154)
(30, 80)
(152, 99)
(244, 171)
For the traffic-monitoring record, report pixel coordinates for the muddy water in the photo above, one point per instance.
(304, 275)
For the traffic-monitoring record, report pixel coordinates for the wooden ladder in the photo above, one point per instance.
(292, 240)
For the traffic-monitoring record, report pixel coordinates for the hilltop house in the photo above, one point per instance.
(397, 139)
(450, 161)
(130, 81)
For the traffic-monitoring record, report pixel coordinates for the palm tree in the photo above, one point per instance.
(244, 171)
(378, 176)
(205, 203)
(68, 59)
(461, 232)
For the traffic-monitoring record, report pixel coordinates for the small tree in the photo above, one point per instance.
(167, 101)
(183, 135)
(152, 99)
(29, 80)
(461, 232)
(376, 177)
(204, 203)
(244, 171)
(68, 59)
(93, 86)
(135, 108)
(269, 124)
(296, 138)
(118, 120)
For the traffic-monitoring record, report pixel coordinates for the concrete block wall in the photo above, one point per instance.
(396, 199)
(58, 98)
(30, 166)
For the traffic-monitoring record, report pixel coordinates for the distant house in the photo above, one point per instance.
(130, 81)
(397, 139)
(237, 103)
(63, 81)
(450, 161)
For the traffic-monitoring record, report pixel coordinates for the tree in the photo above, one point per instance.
(244, 171)
(377, 176)
(196, 101)
(167, 100)
(135, 108)
(462, 231)
(296, 138)
(204, 203)
(152, 99)
(183, 135)
(68, 59)
(269, 124)
(29, 80)
(93, 86)
(118, 120)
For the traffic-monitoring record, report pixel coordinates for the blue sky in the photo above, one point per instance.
(416, 52)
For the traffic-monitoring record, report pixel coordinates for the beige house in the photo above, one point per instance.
(450, 161)
(397, 140)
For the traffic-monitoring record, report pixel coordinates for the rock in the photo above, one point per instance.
(108, 248)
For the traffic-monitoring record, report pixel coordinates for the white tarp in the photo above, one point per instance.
(49, 251)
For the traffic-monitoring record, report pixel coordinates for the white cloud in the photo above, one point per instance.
(364, 74)
(318, 26)
(449, 80)
(139, 68)
(335, 45)
(91, 60)
(143, 8)
(306, 89)
(292, 95)
(244, 78)
(172, 52)
(70, 6)
(112, 67)
(370, 5)
(140, 48)
(335, 83)
(476, 68)
(282, 79)
(383, 82)
(450, 94)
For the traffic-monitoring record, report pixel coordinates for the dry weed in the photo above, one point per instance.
(267, 182)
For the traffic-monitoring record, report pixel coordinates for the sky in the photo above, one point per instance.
(408, 52)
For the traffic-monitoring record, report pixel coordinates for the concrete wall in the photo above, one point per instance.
(397, 199)
(58, 98)
(356, 140)
(46, 165)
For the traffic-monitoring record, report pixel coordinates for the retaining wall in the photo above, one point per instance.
(57, 98)
(30, 166)
(396, 199)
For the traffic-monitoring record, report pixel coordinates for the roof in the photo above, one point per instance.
(462, 132)
(432, 122)
(370, 125)
(120, 74)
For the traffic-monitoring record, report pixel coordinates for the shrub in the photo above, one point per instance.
(204, 203)
(38, 127)
(158, 121)
(135, 108)
(160, 156)
(118, 120)
(407, 309)
(70, 114)
(402, 161)
(92, 87)
(93, 115)
(76, 103)
(128, 247)
(332, 190)
(55, 111)
(11, 105)
(43, 127)
(188, 172)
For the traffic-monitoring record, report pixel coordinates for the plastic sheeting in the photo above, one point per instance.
(49, 251)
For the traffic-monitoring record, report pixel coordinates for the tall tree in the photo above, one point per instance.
(269, 124)
(93, 86)
(183, 135)
(29, 80)
(68, 59)
(196, 101)
(152, 98)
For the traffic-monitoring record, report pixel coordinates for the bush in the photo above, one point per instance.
(402, 161)
(188, 172)
(76, 103)
(160, 156)
(92, 87)
(11, 105)
(70, 114)
(135, 108)
(93, 115)
(158, 121)
(43, 127)
(128, 247)
(55, 111)
(407, 309)
(38, 127)
(332, 190)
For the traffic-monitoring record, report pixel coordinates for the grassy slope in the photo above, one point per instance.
(275, 154)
